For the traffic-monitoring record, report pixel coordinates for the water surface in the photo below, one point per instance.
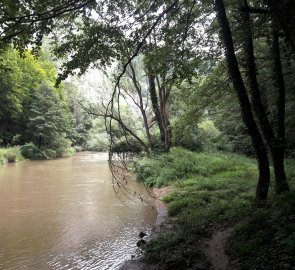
(63, 214)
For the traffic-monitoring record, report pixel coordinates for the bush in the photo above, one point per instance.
(31, 151)
(201, 136)
(68, 152)
(10, 156)
(185, 133)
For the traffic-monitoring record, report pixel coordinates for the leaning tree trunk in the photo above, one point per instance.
(275, 144)
(248, 118)
(141, 106)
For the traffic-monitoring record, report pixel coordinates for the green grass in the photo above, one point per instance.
(213, 190)
(10, 154)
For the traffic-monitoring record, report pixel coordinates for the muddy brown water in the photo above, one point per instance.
(63, 214)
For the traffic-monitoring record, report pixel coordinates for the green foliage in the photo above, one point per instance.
(217, 190)
(49, 123)
(185, 134)
(10, 155)
(20, 78)
(31, 151)
(209, 190)
(267, 237)
(164, 169)
(172, 250)
(97, 138)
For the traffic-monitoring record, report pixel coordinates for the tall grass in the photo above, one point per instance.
(10, 154)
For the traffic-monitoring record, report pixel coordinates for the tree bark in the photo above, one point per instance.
(278, 146)
(284, 12)
(245, 106)
(141, 106)
(275, 145)
(155, 104)
(163, 96)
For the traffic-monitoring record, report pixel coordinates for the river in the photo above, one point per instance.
(63, 214)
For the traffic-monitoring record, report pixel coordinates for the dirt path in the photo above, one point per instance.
(215, 250)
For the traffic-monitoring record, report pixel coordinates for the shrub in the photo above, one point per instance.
(31, 151)
(10, 156)
(186, 134)
(68, 152)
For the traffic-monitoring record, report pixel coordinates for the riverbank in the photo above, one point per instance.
(211, 205)
(31, 152)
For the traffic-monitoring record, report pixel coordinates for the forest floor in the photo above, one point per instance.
(213, 222)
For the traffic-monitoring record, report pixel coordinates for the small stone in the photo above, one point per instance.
(142, 234)
(141, 243)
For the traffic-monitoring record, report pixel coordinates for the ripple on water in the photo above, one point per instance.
(64, 215)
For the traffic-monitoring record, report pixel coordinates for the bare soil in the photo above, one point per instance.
(215, 250)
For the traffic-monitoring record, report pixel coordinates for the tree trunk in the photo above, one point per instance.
(163, 96)
(248, 118)
(155, 104)
(39, 141)
(141, 106)
(278, 146)
(275, 144)
(284, 12)
(251, 68)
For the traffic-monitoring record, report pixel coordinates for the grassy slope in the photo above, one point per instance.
(214, 190)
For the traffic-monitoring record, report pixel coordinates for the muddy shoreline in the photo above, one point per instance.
(139, 263)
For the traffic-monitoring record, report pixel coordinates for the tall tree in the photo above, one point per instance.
(275, 143)
(240, 89)
(284, 12)
(49, 121)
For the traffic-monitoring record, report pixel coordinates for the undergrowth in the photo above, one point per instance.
(211, 191)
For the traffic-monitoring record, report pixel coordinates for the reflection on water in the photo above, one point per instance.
(63, 214)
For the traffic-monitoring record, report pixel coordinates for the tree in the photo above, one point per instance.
(284, 12)
(20, 77)
(275, 143)
(240, 89)
(49, 122)
(27, 23)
